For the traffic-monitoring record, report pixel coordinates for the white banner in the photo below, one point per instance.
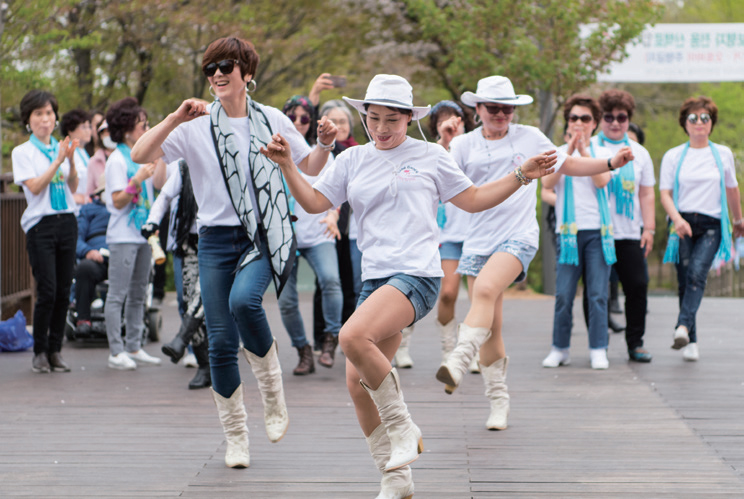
(678, 53)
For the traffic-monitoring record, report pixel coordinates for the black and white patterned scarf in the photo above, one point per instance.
(268, 185)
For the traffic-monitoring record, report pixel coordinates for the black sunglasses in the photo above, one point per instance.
(304, 119)
(226, 67)
(585, 118)
(621, 118)
(507, 110)
(692, 118)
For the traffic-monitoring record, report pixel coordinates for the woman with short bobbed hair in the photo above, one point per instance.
(698, 187)
(76, 125)
(245, 232)
(43, 167)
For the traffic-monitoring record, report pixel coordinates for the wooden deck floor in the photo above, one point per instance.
(668, 429)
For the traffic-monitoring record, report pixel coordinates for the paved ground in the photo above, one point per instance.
(669, 429)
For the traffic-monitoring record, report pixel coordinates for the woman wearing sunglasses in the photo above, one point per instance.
(502, 241)
(698, 187)
(245, 233)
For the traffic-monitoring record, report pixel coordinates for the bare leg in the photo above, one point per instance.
(448, 292)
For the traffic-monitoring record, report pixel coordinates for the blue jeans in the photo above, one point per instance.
(422, 292)
(233, 302)
(323, 259)
(696, 255)
(597, 274)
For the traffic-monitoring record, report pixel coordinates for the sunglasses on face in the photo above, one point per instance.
(692, 118)
(507, 110)
(304, 119)
(226, 67)
(621, 118)
(585, 118)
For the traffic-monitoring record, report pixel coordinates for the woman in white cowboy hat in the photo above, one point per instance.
(393, 185)
(501, 241)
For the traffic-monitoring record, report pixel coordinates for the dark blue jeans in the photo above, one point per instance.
(696, 255)
(233, 302)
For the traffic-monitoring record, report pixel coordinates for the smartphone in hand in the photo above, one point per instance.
(338, 81)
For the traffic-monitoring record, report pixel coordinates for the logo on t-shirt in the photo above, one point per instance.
(518, 159)
(407, 174)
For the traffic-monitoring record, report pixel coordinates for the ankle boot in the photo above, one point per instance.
(203, 376)
(395, 484)
(405, 437)
(233, 418)
(306, 364)
(402, 358)
(469, 341)
(328, 350)
(494, 377)
(177, 346)
(268, 373)
(448, 337)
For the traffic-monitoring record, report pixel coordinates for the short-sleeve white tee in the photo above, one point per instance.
(484, 161)
(81, 165)
(586, 206)
(394, 196)
(193, 141)
(29, 162)
(456, 223)
(119, 229)
(699, 179)
(309, 230)
(643, 168)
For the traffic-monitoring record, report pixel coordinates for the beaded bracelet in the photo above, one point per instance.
(328, 147)
(520, 176)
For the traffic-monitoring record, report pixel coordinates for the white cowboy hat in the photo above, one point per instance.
(392, 91)
(495, 89)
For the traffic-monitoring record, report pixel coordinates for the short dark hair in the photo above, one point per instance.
(232, 48)
(585, 101)
(638, 131)
(34, 100)
(446, 109)
(695, 103)
(71, 120)
(617, 99)
(122, 117)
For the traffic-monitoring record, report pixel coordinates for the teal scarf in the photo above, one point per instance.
(84, 156)
(57, 185)
(622, 185)
(569, 229)
(724, 249)
(141, 209)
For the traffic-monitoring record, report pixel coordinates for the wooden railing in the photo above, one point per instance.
(725, 282)
(16, 280)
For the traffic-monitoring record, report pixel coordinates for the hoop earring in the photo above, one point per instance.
(255, 85)
(211, 92)
(28, 128)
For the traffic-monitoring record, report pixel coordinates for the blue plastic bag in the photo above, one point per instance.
(13, 334)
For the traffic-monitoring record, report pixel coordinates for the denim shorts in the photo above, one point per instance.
(450, 251)
(422, 292)
(473, 264)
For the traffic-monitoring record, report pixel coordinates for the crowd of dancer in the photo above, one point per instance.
(389, 229)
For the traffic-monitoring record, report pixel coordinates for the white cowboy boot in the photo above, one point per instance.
(268, 373)
(469, 341)
(233, 418)
(494, 377)
(448, 337)
(395, 484)
(402, 358)
(405, 437)
(474, 366)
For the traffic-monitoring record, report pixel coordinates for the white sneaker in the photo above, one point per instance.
(557, 357)
(681, 337)
(690, 353)
(598, 357)
(189, 360)
(121, 361)
(143, 357)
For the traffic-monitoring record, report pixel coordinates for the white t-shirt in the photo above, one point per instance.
(699, 180)
(394, 196)
(586, 206)
(308, 229)
(484, 161)
(643, 167)
(353, 228)
(29, 162)
(193, 141)
(119, 229)
(81, 165)
(456, 224)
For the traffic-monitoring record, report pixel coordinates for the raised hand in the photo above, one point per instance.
(278, 151)
(539, 166)
(145, 171)
(622, 158)
(190, 109)
(326, 131)
(450, 129)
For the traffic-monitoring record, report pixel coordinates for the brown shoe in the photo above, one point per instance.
(306, 364)
(329, 350)
(58, 363)
(40, 364)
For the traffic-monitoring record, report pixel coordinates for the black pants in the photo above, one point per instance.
(633, 275)
(51, 250)
(87, 276)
